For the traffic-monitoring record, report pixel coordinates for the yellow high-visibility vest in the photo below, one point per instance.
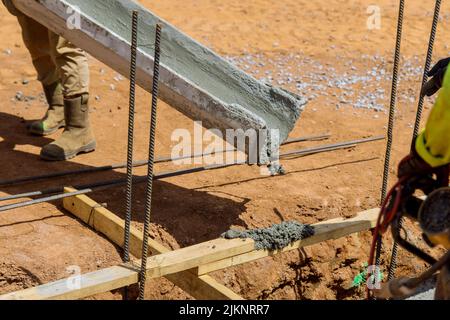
(433, 144)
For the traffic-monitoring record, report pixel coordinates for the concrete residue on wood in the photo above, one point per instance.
(278, 236)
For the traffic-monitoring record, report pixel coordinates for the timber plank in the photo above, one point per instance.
(327, 230)
(206, 257)
(89, 284)
(109, 224)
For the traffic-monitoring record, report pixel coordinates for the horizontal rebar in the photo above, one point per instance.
(333, 146)
(139, 163)
(67, 173)
(46, 199)
(307, 138)
(88, 188)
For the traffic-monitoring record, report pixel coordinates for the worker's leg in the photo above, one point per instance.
(74, 74)
(72, 66)
(35, 37)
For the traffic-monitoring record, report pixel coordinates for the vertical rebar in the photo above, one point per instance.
(393, 102)
(437, 8)
(391, 122)
(129, 192)
(132, 104)
(428, 60)
(151, 157)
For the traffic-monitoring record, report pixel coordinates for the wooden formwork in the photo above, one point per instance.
(188, 268)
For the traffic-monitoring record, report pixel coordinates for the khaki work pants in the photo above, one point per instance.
(55, 58)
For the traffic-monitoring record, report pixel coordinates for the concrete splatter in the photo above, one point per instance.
(278, 236)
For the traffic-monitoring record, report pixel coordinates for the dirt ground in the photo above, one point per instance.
(322, 49)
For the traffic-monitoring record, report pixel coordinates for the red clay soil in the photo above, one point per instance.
(39, 243)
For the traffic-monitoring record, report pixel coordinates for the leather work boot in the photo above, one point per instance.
(54, 117)
(77, 136)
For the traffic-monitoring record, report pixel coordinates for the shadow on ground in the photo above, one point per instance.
(189, 216)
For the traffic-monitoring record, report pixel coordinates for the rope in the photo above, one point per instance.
(437, 8)
(148, 203)
(390, 131)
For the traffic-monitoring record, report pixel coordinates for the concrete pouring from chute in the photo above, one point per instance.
(193, 79)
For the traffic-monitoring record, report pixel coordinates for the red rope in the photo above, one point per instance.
(385, 217)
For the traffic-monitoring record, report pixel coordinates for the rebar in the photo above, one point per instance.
(391, 123)
(130, 144)
(308, 138)
(437, 8)
(132, 103)
(169, 174)
(393, 102)
(330, 147)
(41, 200)
(428, 60)
(67, 173)
(151, 158)
(140, 163)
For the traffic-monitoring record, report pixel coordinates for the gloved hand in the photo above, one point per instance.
(413, 165)
(11, 8)
(437, 73)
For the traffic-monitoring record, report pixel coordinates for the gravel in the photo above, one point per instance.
(362, 86)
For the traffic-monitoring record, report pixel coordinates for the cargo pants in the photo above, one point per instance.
(54, 58)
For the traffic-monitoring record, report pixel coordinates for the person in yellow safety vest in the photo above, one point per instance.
(431, 149)
(63, 70)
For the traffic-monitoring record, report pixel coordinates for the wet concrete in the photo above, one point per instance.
(248, 103)
(278, 236)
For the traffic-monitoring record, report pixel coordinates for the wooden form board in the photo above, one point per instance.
(124, 275)
(327, 230)
(107, 223)
(205, 257)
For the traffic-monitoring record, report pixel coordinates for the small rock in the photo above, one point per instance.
(19, 96)
(118, 78)
(29, 98)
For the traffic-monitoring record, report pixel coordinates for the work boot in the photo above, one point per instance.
(54, 117)
(77, 136)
